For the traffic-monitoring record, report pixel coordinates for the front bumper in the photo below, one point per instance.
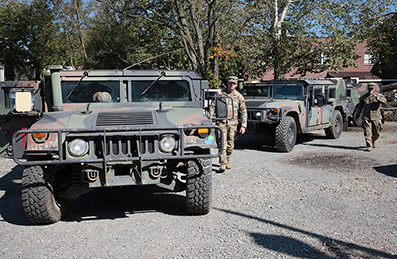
(116, 145)
(263, 115)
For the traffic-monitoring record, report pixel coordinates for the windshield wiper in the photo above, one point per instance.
(155, 81)
(74, 88)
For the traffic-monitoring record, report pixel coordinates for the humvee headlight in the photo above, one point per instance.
(258, 115)
(167, 144)
(40, 137)
(78, 147)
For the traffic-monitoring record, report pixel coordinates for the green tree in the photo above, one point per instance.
(191, 24)
(283, 34)
(72, 19)
(114, 40)
(378, 27)
(27, 30)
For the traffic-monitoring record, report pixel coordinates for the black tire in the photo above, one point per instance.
(39, 202)
(335, 130)
(355, 119)
(199, 186)
(285, 135)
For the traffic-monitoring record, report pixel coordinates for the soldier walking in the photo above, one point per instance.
(370, 104)
(235, 106)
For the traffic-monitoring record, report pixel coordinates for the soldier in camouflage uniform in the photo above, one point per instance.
(370, 104)
(229, 127)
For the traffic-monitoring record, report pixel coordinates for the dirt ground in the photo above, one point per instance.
(326, 199)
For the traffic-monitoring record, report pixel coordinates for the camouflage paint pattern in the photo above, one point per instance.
(235, 108)
(372, 131)
(369, 108)
(308, 117)
(229, 135)
(117, 120)
(311, 102)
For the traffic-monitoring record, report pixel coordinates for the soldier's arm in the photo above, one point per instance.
(381, 98)
(243, 112)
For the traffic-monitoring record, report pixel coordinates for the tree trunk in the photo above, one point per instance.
(80, 32)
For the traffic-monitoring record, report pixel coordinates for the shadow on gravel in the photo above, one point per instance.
(266, 143)
(337, 147)
(113, 203)
(389, 170)
(287, 245)
(11, 209)
(331, 248)
(255, 142)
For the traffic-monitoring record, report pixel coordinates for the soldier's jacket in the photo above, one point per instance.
(238, 107)
(370, 106)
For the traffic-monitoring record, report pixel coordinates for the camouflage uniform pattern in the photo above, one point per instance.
(371, 116)
(235, 106)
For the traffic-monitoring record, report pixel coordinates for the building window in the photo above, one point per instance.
(368, 59)
(323, 59)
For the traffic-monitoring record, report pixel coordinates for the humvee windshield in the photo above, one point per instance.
(286, 90)
(109, 91)
(256, 90)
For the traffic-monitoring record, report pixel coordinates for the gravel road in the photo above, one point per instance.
(325, 199)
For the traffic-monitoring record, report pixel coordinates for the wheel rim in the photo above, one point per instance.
(290, 135)
(337, 125)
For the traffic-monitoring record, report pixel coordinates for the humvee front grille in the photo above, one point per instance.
(125, 146)
(251, 116)
(125, 118)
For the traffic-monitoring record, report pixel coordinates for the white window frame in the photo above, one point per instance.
(368, 58)
(323, 59)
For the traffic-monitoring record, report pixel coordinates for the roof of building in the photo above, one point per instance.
(363, 75)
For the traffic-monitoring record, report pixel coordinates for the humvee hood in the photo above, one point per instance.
(256, 103)
(118, 117)
(275, 103)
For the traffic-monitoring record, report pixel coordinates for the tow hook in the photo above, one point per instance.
(91, 174)
(156, 171)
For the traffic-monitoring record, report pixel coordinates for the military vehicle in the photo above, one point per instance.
(284, 108)
(79, 130)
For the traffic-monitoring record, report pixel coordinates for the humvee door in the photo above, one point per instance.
(317, 103)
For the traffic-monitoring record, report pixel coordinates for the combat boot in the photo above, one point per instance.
(374, 144)
(368, 149)
(222, 168)
(228, 166)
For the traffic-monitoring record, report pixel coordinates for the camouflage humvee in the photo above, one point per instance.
(287, 107)
(79, 130)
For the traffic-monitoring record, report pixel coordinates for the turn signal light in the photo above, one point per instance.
(203, 132)
(40, 137)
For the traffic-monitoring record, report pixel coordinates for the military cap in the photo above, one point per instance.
(372, 85)
(233, 79)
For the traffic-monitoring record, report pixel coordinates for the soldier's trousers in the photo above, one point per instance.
(371, 131)
(229, 134)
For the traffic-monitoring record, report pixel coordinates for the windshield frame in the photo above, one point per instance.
(127, 90)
